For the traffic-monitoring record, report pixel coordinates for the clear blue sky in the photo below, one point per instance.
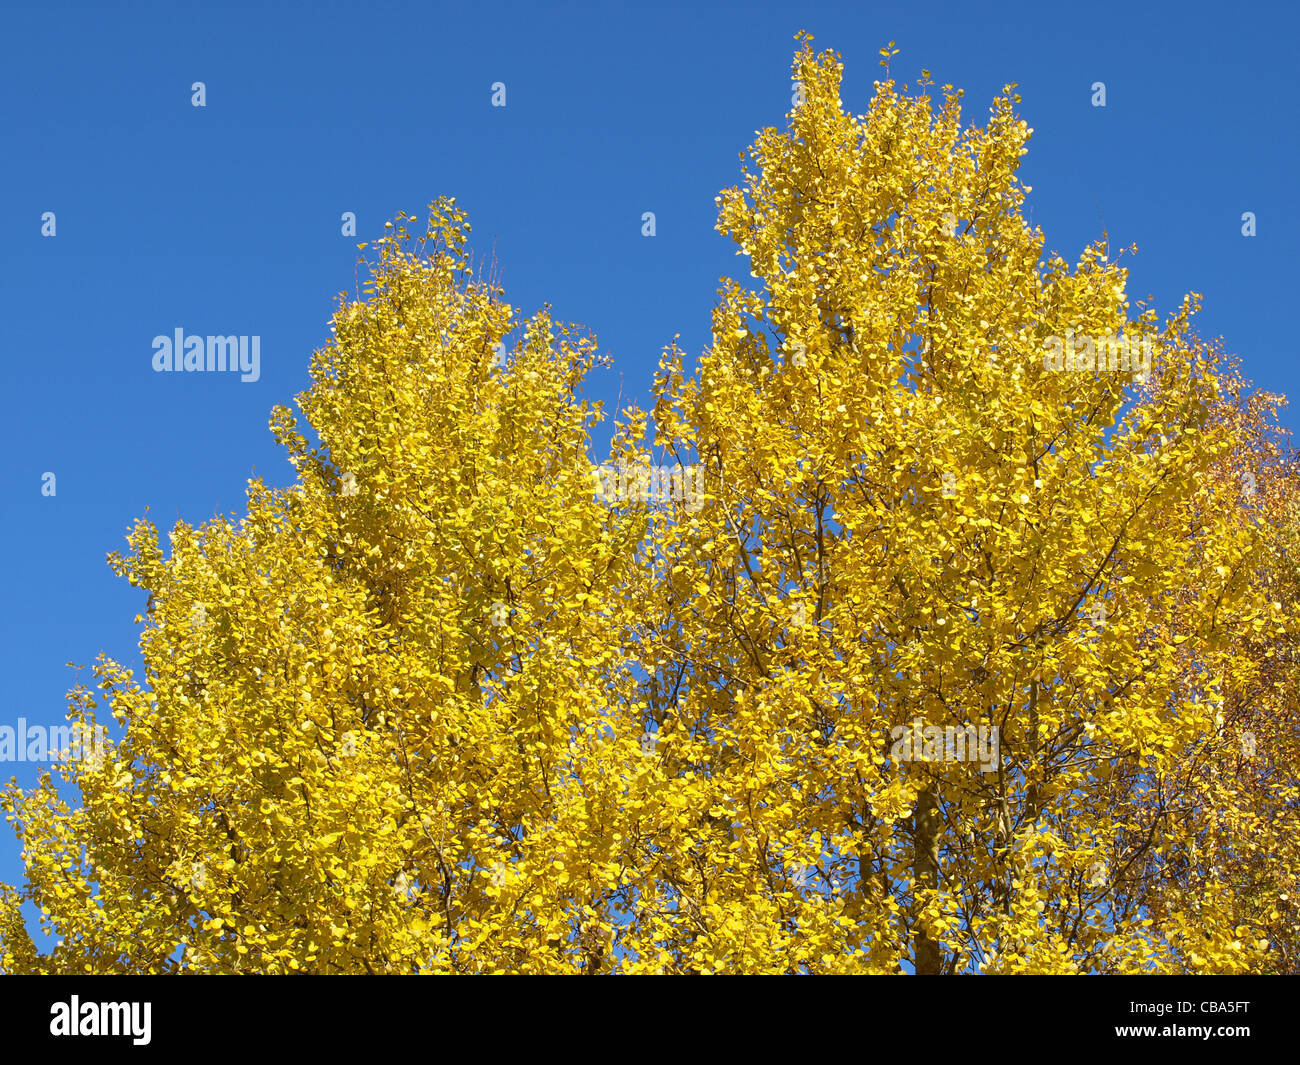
(226, 219)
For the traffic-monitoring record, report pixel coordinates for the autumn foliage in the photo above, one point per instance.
(444, 706)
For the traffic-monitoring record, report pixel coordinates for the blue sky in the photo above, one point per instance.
(226, 219)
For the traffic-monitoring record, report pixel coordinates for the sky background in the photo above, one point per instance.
(225, 219)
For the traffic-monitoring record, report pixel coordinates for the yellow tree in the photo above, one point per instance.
(951, 491)
(379, 729)
(900, 655)
(1236, 869)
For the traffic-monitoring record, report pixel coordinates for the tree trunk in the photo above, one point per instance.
(925, 835)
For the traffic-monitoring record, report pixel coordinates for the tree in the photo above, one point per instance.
(1238, 866)
(374, 733)
(932, 506)
(922, 673)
